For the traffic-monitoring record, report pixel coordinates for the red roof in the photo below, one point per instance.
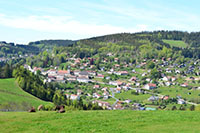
(62, 72)
(100, 75)
(152, 85)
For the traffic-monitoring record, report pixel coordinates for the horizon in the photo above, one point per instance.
(75, 20)
(94, 36)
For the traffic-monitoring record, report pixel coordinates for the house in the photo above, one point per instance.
(105, 93)
(118, 90)
(137, 84)
(165, 97)
(133, 71)
(177, 71)
(184, 85)
(150, 86)
(133, 79)
(63, 72)
(76, 72)
(52, 72)
(100, 76)
(84, 73)
(105, 97)
(168, 83)
(116, 59)
(153, 98)
(109, 54)
(144, 74)
(102, 104)
(104, 89)
(74, 97)
(92, 73)
(51, 78)
(83, 79)
(71, 78)
(77, 61)
(148, 79)
(117, 65)
(118, 106)
(181, 101)
(67, 95)
(165, 78)
(60, 79)
(121, 73)
(96, 95)
(116, 83)
(128, 101)
(173, 79)
(96, 86)
(79, 92)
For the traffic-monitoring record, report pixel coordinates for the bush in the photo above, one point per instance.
(182, 107)
(192, 108)
(174, 108)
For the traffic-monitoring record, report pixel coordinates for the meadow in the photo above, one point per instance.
(13, 97)
(175, 43)
(125, 121)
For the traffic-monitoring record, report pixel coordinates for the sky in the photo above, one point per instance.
(23, 21)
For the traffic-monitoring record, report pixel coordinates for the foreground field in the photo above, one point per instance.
(12, 97)
(101, 121)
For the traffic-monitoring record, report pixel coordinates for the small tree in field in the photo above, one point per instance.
(174, 108)
(182, 108)
(192, 108)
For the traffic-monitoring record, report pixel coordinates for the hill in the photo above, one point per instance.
(13, 97)
(101, 121)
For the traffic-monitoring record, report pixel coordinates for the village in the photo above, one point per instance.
(125, 78)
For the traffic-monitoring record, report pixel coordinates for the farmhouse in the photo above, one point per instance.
(150, 86)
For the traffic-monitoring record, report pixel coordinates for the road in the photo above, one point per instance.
(113, 96)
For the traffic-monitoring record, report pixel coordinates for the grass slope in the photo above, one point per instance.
(175, 43)
(11, 95)
(101, 121)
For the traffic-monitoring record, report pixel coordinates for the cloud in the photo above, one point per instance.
(64, 24)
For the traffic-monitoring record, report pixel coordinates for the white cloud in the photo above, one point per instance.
(64, 24)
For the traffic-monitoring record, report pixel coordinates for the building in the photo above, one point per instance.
(150, 86)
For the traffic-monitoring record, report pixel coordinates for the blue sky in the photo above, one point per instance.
(22, 21)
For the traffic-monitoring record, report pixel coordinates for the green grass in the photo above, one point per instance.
(173, 91)
(11, 95)
(128, 95)
(101, 121)
(176, 43)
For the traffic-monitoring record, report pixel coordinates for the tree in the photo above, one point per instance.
(7, 71)
(150, 65)
(174, 107)
(155, 74)
(192, 108)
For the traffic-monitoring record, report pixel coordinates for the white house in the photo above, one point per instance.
(150, 86)
(74, 97)
(83, 79)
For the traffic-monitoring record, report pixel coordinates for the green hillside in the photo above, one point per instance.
(175, 43)
(101, 121)
(12, 97)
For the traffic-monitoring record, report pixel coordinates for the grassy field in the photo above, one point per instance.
(176, 43)
(11, 96)
(174, 91)
(128, 95)
(101, 121)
